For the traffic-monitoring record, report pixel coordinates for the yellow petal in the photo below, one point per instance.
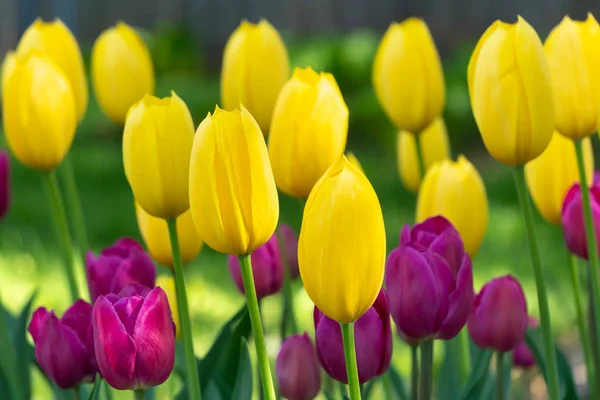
(354, 161)
(167, 284)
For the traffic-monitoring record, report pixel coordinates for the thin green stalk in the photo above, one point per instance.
(388, 390)
(288, 314)
(74, 205)
(9, 358)
(193, 382)
(62, 229)
(500, 395)
(257, 330)
(425, 388)
(350, 357)
(540, 283)
(420, 158)
(465, 355)
(140, 394)
(414, 373)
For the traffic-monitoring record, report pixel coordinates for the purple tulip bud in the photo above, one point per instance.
(118, 266)
(499, 319)
(64, 348)
(596, 180)
(266, 269)
(429, 281)
(298, 371)
(573, 222)
(134, 338)
(4, 183)
(373, 342)
(291, 248)
(522, 356)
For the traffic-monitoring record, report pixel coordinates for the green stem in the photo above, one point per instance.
(193, 382)
(74, 205)
(257, 330)
(420, 158)
(414, 373)
(426, 370)
(388, 391)
(500, 376)
(62, 229)
(288, 314)
(9, 358)
(350, 357)
(465, 355)
(540, 283)
(77, 393)
(140, 394)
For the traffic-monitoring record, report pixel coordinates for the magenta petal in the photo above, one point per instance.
(450, 246)
(79, 318)
(134, 290)
(137, 269)
(128, 309)
(460, 302)
(405, 237)
(330, 348)
(38, 319)
(155, 339)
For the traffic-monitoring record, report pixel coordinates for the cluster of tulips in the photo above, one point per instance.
(535, 106)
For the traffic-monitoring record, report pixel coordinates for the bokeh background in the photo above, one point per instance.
(186, 39)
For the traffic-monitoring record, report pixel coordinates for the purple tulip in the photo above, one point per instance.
(118, 266)
(596, 180)
(373, 342)
(266, 269)
(291, 248)
(573, 222)
(64, 348)
(298, 371)
(522, 356)
(429, 281)
(4, 183)
(134, 338)
(499, 319)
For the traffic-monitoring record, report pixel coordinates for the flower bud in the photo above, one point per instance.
(5, 189)
(64, 347)
(429, 281)
(233, 196)
(511, 93)
(122, 264)
(408, 76)
(297, 369)
(255, 68)
(134, 338)
(122, 71)
(522, 356)
(455, 190)
(373, 342)
(573, 219)
(290, 239)
(498, 318)
(167, 283)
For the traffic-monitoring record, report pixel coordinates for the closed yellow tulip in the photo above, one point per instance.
(454, 190)
(122, 71)
(167, 284)
(435, 147)
(309, 131)
(408, 77)
(156, 236)
(511, 94)
(341, 250)
(157, 144)
(55, 40)
(574, 61)
(255, 68)
(233, 196)
(551, 175)
(39, 111)
(7, 67)
(354, 161)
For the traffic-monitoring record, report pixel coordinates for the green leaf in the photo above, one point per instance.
(24, 351)
(368, 387)
(566, 384)
(95, 393)
(479, 376)
(449, 373)
(4, 387)
(397, 383)
(242, 390)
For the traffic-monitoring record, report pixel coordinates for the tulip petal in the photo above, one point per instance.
(138, 268)
(374, 340)
(460, 302)
(449, 245)
(38, 319)
(128, 309)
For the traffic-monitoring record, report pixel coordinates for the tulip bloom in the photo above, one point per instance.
(297, 369)
(233, 196)
(573, 222)
(267, 270)
(429, 279)
(39, 110)
(255, 68)
(341, 251)
(435, 147)
(308, 131)
(122, 71)
(167, 283)
(373, 338)
(64, 347)
(122, 264)
(55, 40)
(157, 143)
(552, 174)
(511, 93)
(155, 233)
(290, 239)
(455, 190)
(134, 338)
(571, 49)
(5, 184)
(522, 355)
(408, 76)
(354, 161)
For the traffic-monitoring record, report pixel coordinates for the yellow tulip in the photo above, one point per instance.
(156, 236)
(122, 71)
(574, 61)
(455, 190)
(408, 76)
(255, 68)
(511, 94)
(167, 284)
(39, 111)
(435, 147)
(233, 196)
(551, 175)
(7, 67)
(157, 144)
(309, 131)
(55, 40)
(341, 250)
(354, 161)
